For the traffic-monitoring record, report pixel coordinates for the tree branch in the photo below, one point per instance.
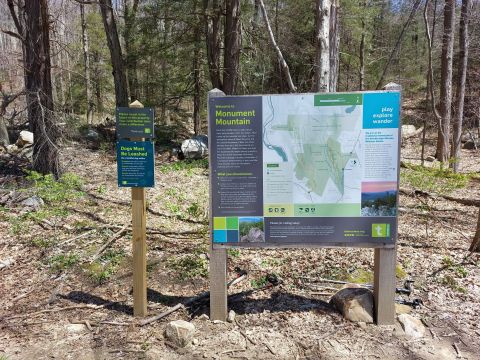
(281, 59)
(18, 24)
(87, 2)
(14, 34)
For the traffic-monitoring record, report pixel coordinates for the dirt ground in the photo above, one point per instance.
(57, 302)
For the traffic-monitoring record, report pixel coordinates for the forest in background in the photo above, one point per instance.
(168, 54)
(66, 64)
(66, 240)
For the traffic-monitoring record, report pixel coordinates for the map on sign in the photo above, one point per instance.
(312, 152)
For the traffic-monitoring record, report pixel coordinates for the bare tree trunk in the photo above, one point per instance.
(257, 15)
(197, 126)
(86, 60)
(461, 78)
(6, 100)
(113, 42)
(442, 153)
(475, 246)
(397, 44)
(430, 95)
(322, 52)
(334, 45)
(4, 139)
(233, 38)
(98, 89)
(361, 85)
(280, 57)
(212, 12)
(430, 81)
(130, 13)
(34, 28)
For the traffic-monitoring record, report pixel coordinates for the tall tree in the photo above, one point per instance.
(445, 110)
(233, 41)
(322, 42)
(361, 74)
(212, 13)
(130, 16)
(281, 60)
(113, 42)
(461, 78)
(32, 24)
(196, 64)
(86, 66)
(334, 40)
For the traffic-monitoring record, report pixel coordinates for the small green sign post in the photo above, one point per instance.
(135, 158)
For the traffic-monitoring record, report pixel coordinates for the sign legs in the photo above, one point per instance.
(218, 284)
(384, 286)
(139, 252)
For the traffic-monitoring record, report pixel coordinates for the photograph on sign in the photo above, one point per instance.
(308, 169)
(135, 163)
(134, 122)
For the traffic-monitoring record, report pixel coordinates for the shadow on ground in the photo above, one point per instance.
(241, 303)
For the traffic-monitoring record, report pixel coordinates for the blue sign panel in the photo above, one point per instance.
(135, 163)
(381, 110)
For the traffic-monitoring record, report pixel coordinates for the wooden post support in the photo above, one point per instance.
(385, 264)
(218, 257)
(384, 286)
(139, 244)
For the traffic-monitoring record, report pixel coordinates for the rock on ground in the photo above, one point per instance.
(231, 316)
(180, 332)
(355, 304)
(402, 309)
(33, 202)
(412, 326)
(408, 130)
(195, 148)
(25, 138)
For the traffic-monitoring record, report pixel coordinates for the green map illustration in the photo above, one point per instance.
(317, 146)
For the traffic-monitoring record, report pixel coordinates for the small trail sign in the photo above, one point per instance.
(135, 163)
(134, 122)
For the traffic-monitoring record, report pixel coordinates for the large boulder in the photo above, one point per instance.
(92, 135)
(195, 148)
(180, 332)
(355, 303)
(24, 139)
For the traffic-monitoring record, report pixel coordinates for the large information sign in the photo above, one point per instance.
(308, 169)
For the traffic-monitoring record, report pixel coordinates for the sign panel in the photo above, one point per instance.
(134, 122)
(135, 163)
(308, 169)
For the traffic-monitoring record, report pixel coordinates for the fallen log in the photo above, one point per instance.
(467, 202)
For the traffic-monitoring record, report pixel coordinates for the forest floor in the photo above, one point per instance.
(58, 302)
